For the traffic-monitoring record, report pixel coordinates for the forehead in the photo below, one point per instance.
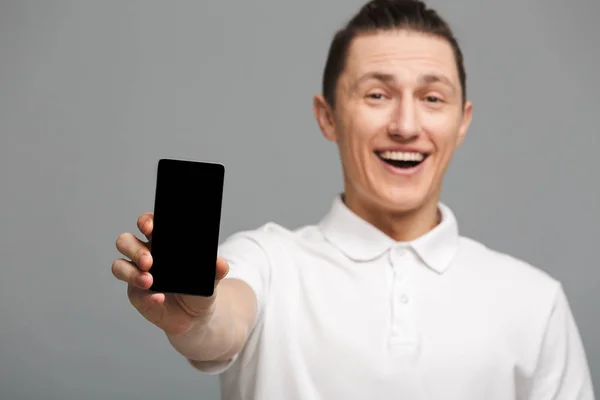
(400, 52)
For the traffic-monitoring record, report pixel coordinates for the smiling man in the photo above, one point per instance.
(382, 298)
(394, 102)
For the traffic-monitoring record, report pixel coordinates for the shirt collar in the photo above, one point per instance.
(361, 241)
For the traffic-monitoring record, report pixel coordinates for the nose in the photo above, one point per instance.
(404, 122)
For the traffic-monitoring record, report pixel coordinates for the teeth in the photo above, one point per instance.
(401, 156)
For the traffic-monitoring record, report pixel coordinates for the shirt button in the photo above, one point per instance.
(404, 299)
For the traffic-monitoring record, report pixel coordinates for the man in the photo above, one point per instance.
(382, 299)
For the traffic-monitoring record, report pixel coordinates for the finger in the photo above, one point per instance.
(149, 304)
(139, 297)
(145, 224)
(136, 250)
(126, 271)
(222, 268)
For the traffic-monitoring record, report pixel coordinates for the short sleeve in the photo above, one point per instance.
(248, 261)
(562, 371)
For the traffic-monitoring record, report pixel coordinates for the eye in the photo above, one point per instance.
(433, 99)
(376, 96)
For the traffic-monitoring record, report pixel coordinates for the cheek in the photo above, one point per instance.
(443, 132)
(357, 138)
(364, 124)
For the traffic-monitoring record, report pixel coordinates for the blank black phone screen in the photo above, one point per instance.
(187, 218)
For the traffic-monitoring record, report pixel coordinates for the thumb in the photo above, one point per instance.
(222, 269)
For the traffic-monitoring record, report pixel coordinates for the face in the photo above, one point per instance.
(398, 119)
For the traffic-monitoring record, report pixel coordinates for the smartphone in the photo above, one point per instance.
(187, 219)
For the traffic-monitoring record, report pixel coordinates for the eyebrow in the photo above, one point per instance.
(425, 79)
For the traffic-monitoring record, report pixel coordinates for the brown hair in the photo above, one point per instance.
(385, 15)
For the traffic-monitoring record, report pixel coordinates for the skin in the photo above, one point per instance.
(398, 89)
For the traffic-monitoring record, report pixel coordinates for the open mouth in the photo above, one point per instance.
(404, 160)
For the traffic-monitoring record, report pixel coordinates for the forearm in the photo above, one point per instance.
(225, 332)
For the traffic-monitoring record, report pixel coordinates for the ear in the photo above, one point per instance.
(325, 118)
(467, 116)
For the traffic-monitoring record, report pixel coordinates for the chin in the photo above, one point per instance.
(401, 201)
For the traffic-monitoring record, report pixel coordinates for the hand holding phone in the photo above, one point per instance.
(173, 302)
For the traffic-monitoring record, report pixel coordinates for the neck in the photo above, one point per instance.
(402, 226)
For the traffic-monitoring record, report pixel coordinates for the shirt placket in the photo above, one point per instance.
(403, 335)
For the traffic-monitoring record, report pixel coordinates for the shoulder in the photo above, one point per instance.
(270, 237)
(506, 272)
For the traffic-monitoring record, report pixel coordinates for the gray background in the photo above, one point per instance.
(93, 93)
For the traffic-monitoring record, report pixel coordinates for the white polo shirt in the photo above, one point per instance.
(347, 313)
